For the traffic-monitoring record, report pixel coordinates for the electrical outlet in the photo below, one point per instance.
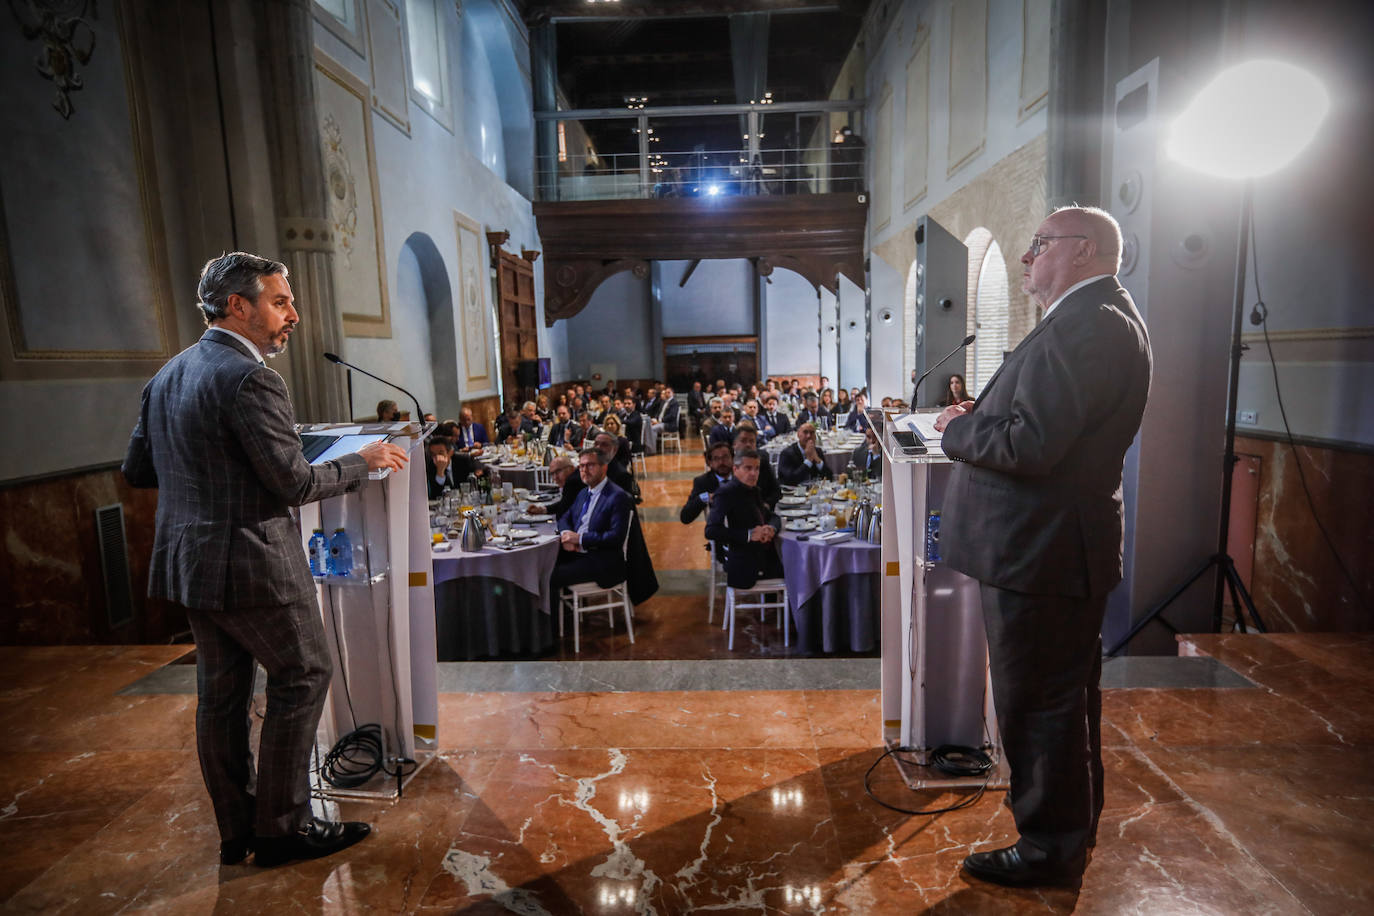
(1248, 417)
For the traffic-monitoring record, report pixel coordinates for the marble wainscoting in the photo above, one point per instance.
(1297, 585)
(546, 799)
(50, 562)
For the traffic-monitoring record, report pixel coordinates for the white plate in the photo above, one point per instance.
(510, 465)
(794, 513)
(800, 524)
(522, 534)
(535, 519)
(792, 501)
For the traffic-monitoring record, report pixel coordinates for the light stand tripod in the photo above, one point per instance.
(1226, 567)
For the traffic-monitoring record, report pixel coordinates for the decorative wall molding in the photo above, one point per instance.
(820, 236)
(19, 357)
(387, 63)
(968, 83)
(344, 19)
(67, 41)
(350, 175)
(473, 309)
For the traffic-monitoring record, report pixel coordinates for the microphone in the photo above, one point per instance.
(419, 414)
(967, 340)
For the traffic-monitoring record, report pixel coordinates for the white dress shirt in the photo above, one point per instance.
(252, 347)
(1072, 289)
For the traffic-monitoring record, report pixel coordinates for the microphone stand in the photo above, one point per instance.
(946, 358)
(334, 358)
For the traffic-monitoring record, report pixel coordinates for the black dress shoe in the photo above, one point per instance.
(232, 852)
(315, 840)
(1006, 867)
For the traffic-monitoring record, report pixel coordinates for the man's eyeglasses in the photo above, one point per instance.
(1039, 242)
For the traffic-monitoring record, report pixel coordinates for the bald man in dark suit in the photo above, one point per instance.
(1033, 511)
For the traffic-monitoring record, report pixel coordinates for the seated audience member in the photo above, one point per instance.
(776, 418)
(752, 414)
(508, 424)
(803, 460)
(746, 439)
(584, 432)
(448, 429)
(723, 431)
(612, 426)
(696, 403)
(886, 402)
(562, 425)
(814, 413)
(541, 408)
(842, 403)
(564, 474)
(619, 474)
(828, 404)
(739, 521)
(388, 412)
(665, 416)
(720, 461)
(446, 468)
(857, 421)
(431, 418)
(593, 530)
(470, 434)
(868, 455)
(955, 391)
(529, 420)
(712, 415)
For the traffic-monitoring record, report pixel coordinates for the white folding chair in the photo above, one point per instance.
(588, 598)
(542, 478)
(673, 438)
(767, 594)
(638, 465)
(716, 582)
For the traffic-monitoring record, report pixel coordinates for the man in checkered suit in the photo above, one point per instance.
(215, 435)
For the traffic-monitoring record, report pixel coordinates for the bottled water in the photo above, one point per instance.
(319, 553)
(340, 554)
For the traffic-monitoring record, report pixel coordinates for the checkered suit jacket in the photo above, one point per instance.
(215, 435)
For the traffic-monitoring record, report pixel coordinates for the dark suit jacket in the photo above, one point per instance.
(857, 421)
(735, 509)
(820, 419)
(459, 469)
(719, 433)
(696, 402)
(670, 415)
(793, 469)
(781, 424)
(606, 535)
(694, 506)
(216, 436)
(473, 435)
(1033, 503)
(860, 457)
(571, 487)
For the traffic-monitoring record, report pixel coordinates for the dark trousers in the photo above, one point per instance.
(289, 643)
(574, 566)
(1045, 654)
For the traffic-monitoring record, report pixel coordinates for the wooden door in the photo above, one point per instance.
(515, 311)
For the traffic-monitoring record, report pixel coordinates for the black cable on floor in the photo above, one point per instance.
(955, 757)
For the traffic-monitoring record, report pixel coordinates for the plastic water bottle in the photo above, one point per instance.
(319, 553)
(340, 554)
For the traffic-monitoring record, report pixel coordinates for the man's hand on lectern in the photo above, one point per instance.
(383, 455)
(950, 412)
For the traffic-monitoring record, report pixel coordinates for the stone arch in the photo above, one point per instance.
(443, 338)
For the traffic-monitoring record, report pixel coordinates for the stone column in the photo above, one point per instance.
(305, 235)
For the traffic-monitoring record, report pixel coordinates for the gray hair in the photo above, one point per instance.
(235, 274)
(600, 458)
(746, 453)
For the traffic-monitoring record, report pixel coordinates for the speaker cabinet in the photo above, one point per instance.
(941, 305)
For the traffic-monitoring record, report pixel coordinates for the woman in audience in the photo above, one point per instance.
(612, 425)
(955, 391)
(541, 409)
(842, 403)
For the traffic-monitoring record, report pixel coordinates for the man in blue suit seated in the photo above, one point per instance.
(740, 522)
(593, 531)
(470, 433)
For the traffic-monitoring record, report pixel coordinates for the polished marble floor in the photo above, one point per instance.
(1243, 800)
(683, 778)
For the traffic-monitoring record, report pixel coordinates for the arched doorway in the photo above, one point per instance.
(989, 310)
(421, 269)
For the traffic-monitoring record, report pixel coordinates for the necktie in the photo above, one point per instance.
(586, 521)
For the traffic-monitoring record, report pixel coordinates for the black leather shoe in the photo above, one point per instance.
(315, 840)
(1006, 867)
(232, 852)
